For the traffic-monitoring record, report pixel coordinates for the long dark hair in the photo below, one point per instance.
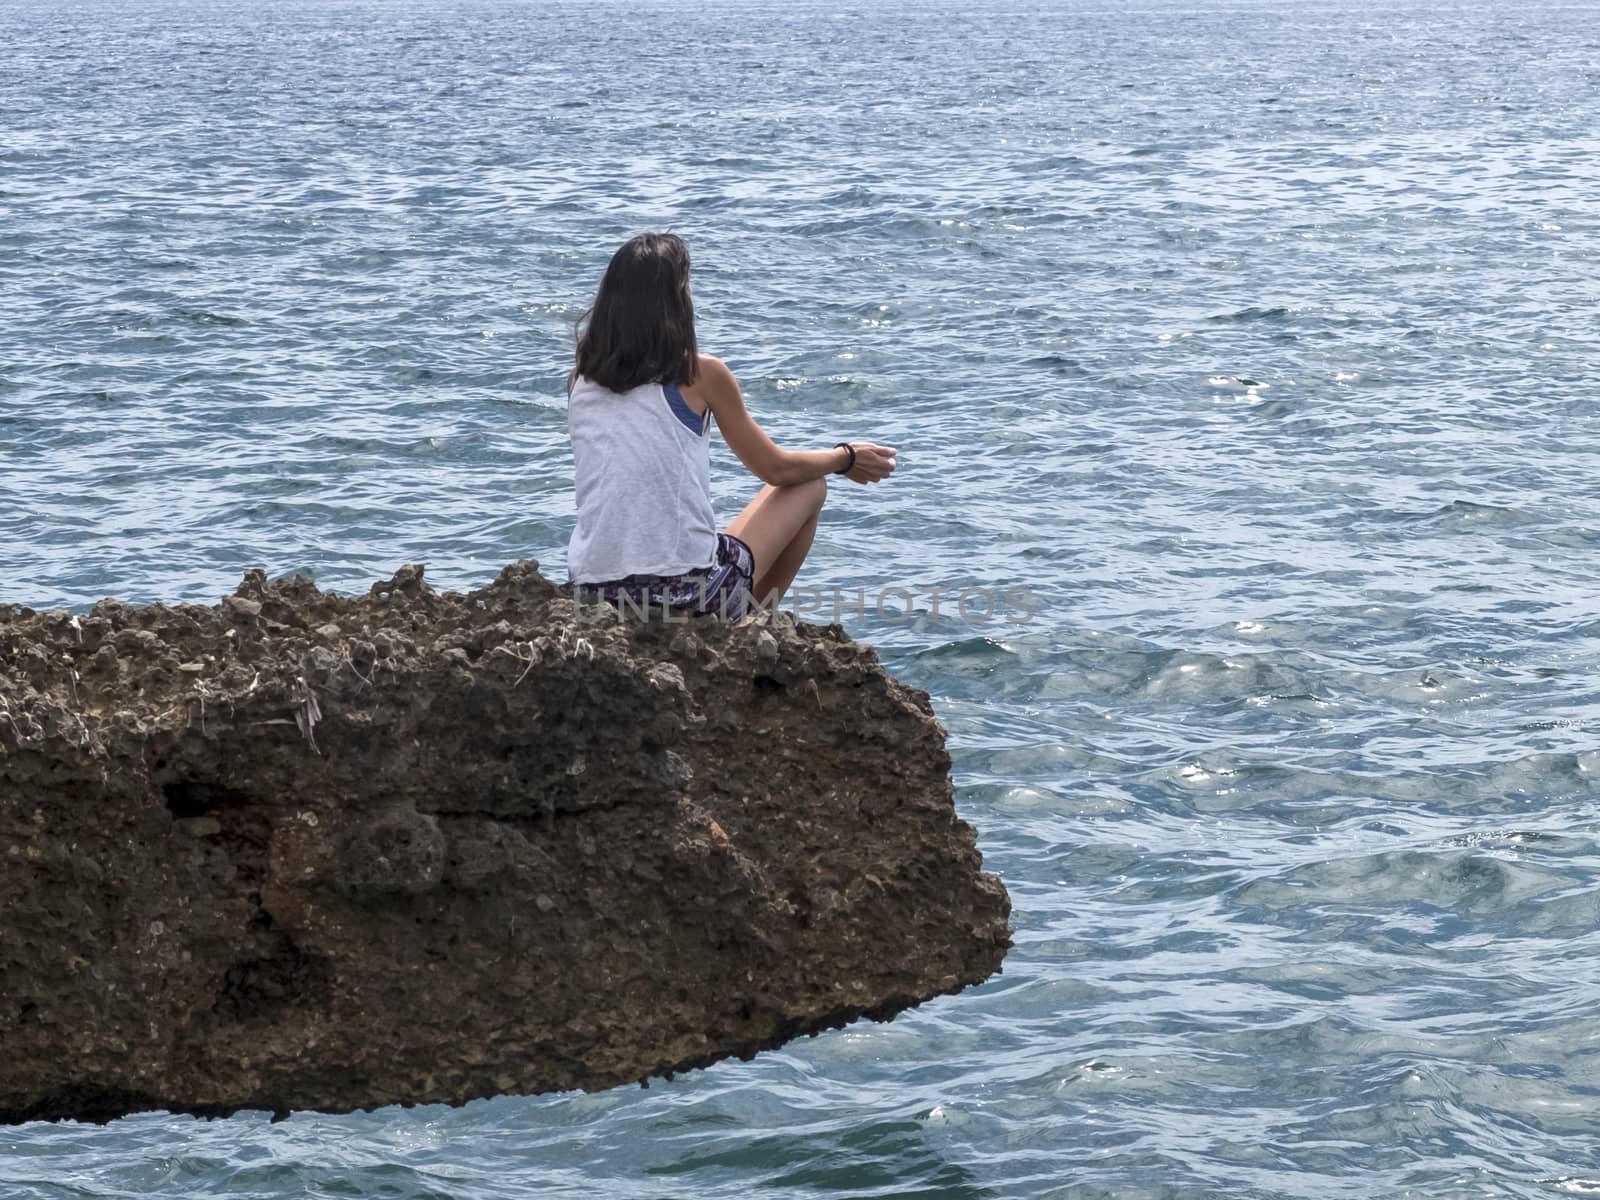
(640, 328)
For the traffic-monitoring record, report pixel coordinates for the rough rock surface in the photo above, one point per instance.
(304, 851)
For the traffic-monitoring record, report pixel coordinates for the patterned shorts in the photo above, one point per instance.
(724, 589)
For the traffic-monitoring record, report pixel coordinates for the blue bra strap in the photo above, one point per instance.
(695, 423)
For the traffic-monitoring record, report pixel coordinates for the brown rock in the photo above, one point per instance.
(472, 844)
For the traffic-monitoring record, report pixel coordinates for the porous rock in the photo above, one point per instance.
(305, 851)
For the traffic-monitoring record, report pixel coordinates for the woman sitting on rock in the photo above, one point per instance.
(639, 407)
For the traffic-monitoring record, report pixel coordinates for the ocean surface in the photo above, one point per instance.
(1253, 344)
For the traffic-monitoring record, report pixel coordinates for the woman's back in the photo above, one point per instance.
(641, 466)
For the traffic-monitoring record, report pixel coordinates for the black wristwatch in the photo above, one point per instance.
(851, 451)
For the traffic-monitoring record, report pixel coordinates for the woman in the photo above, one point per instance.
(639, 405)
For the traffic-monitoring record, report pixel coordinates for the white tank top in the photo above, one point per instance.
(642, 468)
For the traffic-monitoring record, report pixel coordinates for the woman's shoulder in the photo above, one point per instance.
(714, 375)
(713, 382)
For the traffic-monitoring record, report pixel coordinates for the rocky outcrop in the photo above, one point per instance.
(303, 851)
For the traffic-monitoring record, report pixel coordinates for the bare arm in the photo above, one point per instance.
(768, 461)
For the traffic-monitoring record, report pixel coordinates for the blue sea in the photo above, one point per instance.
(1254, 341)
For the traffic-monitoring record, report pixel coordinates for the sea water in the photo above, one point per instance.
(1254, 342)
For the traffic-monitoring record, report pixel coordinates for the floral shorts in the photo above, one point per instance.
(724, 589)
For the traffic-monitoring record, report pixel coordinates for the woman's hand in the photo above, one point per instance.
(873, 462)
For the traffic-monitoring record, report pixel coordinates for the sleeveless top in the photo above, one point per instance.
(642, 469)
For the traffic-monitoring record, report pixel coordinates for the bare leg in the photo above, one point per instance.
(778, 526)
(775, 580)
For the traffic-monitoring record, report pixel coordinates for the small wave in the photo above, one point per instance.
(854, 196)
(1450, 880)
(1416, 685)
(1572, 538)
(1246, 315)
(1179, 675)
(1242, 384)
(206, 317)
(1053, 165)
(1058, 364)
(1462, 516)
(978, 655)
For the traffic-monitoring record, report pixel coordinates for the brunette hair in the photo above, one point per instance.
(640, 328)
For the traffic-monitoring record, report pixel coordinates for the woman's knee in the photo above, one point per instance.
(815, 492)
(807, 496)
